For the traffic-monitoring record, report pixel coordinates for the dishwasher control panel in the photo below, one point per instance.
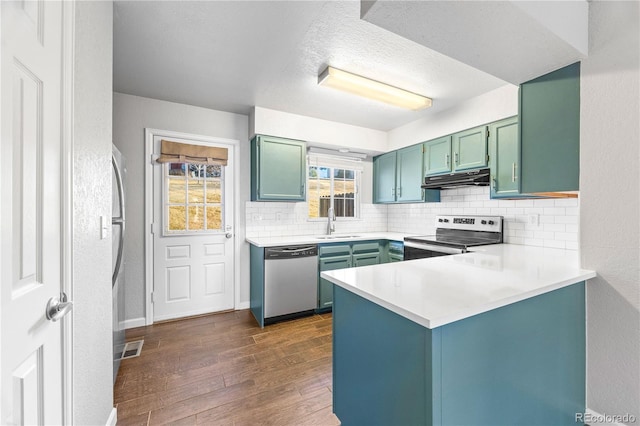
(288, 252)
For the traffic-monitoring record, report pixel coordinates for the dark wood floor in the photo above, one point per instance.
(223, 369)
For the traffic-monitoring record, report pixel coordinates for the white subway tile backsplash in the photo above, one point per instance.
(558, 218)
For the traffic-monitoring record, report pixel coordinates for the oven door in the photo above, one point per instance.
(414, 250)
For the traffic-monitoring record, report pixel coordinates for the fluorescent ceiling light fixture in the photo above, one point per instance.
(372, 89)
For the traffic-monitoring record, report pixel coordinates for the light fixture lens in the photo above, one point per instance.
(362, 86)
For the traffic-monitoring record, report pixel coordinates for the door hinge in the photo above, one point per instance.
(488, 132)
(423, 149)
(153, 231)
(488, 158)
(153, 297)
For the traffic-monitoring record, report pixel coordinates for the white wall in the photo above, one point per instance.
(492, 106)
(315, 131)
(610, 192)
(131, 115)
(92, 323)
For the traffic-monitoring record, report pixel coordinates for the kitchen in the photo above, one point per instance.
(608, 92)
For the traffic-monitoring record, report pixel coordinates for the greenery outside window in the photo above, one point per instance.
(332, 183)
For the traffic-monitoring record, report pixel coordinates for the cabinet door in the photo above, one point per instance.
(470, 149)
(384, 178)
(550, 131)
(409, 174)
(280, 169)
(325, 288)
(437, 156)
(504, 154)
(365, 259)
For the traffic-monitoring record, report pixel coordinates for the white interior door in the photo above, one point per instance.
(193, 236)
(30, 172)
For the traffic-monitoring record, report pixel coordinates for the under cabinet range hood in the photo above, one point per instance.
(479, 177)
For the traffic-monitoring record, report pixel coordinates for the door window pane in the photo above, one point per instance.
(177, 190)
(196, 218)
(194, 198)
(214, 218)
(177, 218)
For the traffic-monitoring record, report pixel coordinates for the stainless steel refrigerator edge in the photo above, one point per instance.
(117, 235)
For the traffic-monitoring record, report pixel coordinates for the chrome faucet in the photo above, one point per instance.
(331, 221)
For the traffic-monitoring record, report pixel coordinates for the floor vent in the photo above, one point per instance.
(132, 349)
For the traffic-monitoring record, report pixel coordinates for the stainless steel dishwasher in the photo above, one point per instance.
(290, 281)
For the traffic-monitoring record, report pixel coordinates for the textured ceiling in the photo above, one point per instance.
(232, 55)
(513, 40)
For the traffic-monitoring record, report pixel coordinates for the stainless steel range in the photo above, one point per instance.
(455, 235)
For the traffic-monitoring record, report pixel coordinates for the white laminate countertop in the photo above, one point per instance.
(440, 290)
(319, 239)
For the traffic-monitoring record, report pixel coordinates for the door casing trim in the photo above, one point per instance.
(149, 135)
(66, 139)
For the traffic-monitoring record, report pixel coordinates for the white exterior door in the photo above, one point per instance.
(30, 206)
(193, 236)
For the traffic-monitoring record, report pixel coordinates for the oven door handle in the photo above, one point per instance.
(433, 247)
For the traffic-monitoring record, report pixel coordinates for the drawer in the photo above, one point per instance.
(334, 250)
(366, 247)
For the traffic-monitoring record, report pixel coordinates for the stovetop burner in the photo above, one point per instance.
(461, 232)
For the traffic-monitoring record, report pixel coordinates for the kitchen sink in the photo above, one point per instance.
(337, 237)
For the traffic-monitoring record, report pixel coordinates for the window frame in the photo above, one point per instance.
(357, 179)
(166, 232)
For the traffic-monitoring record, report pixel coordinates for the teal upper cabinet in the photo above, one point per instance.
(550, 131)
(278, 169)
(409, 174)
(504, 154)
(470, 149)
(437, 156)
(384, 178)
(397, 177)
(464, 150)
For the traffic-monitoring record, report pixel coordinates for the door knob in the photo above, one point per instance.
(228, 235)
(58, 307)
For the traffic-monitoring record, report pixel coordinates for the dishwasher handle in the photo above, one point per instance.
(290, 252)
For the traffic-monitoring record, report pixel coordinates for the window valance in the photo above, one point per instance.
(176, 152)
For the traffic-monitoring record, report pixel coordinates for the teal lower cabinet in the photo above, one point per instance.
(522, 364)
(331, 258)
(365, 253)
(340, 256)
(395, 251)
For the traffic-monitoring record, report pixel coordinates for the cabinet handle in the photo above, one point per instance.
(400, 192)
(494, 183)
(513, 172)
(455, 156)
(393, 192)
(446, 159)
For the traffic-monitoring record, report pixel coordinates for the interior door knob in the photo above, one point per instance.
(228, 235)
(58, 307)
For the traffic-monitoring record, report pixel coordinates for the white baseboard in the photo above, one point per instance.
(593, 418)
(243, 305)
(135, 322)
(113, 417)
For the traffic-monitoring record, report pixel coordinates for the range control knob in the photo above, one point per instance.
(484, 222)
(491, 222)
(439, 220)
(446, 221)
